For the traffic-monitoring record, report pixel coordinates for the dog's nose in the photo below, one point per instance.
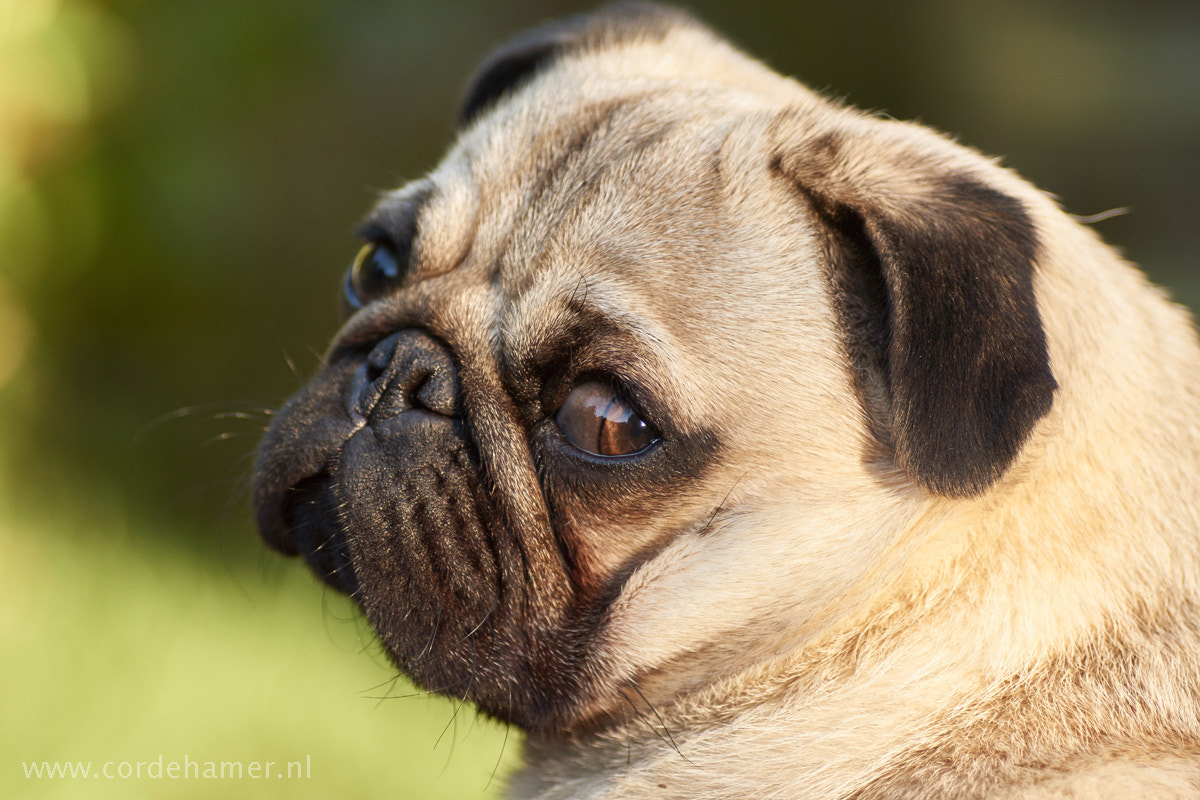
(408, 371)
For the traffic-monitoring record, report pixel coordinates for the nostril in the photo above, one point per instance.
(409, 370)
(437, 392)
(379, 359)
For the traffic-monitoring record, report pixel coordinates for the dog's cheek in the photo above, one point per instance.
(418, 539)
(612, 514)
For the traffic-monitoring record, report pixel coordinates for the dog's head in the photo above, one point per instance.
(640, 384)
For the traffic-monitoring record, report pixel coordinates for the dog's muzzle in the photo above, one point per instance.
(404, 395)
(374, 474)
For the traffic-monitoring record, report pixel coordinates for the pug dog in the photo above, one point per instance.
(735, 443)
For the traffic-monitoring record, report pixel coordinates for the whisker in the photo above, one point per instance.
(214, 410)
(255, 415)
(720, 507)
(229, 435)
(291, 365)
(427, 650)
(1092, 219)
(665, 734)
(392, 683)
(499, 758)
(480, 624)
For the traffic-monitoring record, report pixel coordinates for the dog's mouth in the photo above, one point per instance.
(310, 514)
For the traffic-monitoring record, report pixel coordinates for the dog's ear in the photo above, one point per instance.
(932, 272)
(518, 60)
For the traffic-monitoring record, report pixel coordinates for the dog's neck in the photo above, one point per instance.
(880, 694)
(817, 747)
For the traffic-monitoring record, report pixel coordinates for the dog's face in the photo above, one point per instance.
(644, 382)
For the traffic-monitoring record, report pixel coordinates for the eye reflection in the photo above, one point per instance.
(375, 271)
(597, 421)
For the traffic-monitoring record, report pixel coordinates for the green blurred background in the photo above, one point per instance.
(179, 184)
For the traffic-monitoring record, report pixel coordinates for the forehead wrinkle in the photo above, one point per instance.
(575, 295)
(569, 315)
(554, 197)
(651, 207)
(514, 197)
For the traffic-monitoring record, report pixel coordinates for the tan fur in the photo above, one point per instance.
(869, 640)
(806, 620)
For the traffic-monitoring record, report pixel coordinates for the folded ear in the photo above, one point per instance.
(518, 60)
(932, 271)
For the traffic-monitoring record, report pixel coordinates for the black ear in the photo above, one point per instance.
(515, 62)
(932, 270)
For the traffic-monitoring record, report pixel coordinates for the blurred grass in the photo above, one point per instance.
(114, 648)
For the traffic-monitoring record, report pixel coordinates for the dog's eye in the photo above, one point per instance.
(597, 421)
(374, 272)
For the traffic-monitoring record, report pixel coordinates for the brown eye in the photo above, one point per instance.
(374, 272)
(597, 421)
